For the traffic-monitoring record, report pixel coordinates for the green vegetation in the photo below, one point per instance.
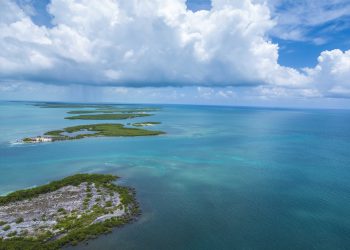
(100, 130)
(71, 105)
(6, 228)
(27, 139)
(14, 233)
(113, 110)
(2, 223)
(74, 180)
(106, 117)
(55, 132)
(98, 112)
(142, 124)
(94, 130)
(24, 232)
(19, 220)
(61, 210)
(74, 229)
(75, 236)
(98, 108)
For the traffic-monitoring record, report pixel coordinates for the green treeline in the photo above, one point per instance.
(100, 130)
(74, 180)
(106, 116)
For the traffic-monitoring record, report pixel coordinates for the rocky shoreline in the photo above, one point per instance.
(67, 214)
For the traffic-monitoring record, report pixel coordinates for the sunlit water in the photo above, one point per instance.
(221, 178)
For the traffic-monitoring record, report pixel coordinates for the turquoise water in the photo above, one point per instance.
(222, 177)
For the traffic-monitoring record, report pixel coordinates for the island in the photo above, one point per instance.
(106, 116)
(70, 105)
(97, 108)
(68, 211)
(91, 130)
(113, 110)
(97, 112)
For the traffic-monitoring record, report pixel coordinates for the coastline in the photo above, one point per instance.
(65, 212)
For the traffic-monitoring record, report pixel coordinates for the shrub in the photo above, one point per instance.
(19, 220)
(14, 233)
(61, 210)
(24, 232)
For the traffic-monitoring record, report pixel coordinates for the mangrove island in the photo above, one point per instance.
(106, 116)
(91, 130)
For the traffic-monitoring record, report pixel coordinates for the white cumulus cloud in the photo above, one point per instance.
(156, 43)
(332, 73)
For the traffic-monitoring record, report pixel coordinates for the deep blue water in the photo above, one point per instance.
(221, 178)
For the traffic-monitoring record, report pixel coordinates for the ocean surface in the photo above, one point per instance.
(221, 178)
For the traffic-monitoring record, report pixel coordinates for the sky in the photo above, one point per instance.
(287, 53)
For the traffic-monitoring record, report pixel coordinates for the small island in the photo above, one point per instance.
(97, 108)
(106, 116)
(68, 211)
(70, 105)
(91, 130)
(113, 110)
